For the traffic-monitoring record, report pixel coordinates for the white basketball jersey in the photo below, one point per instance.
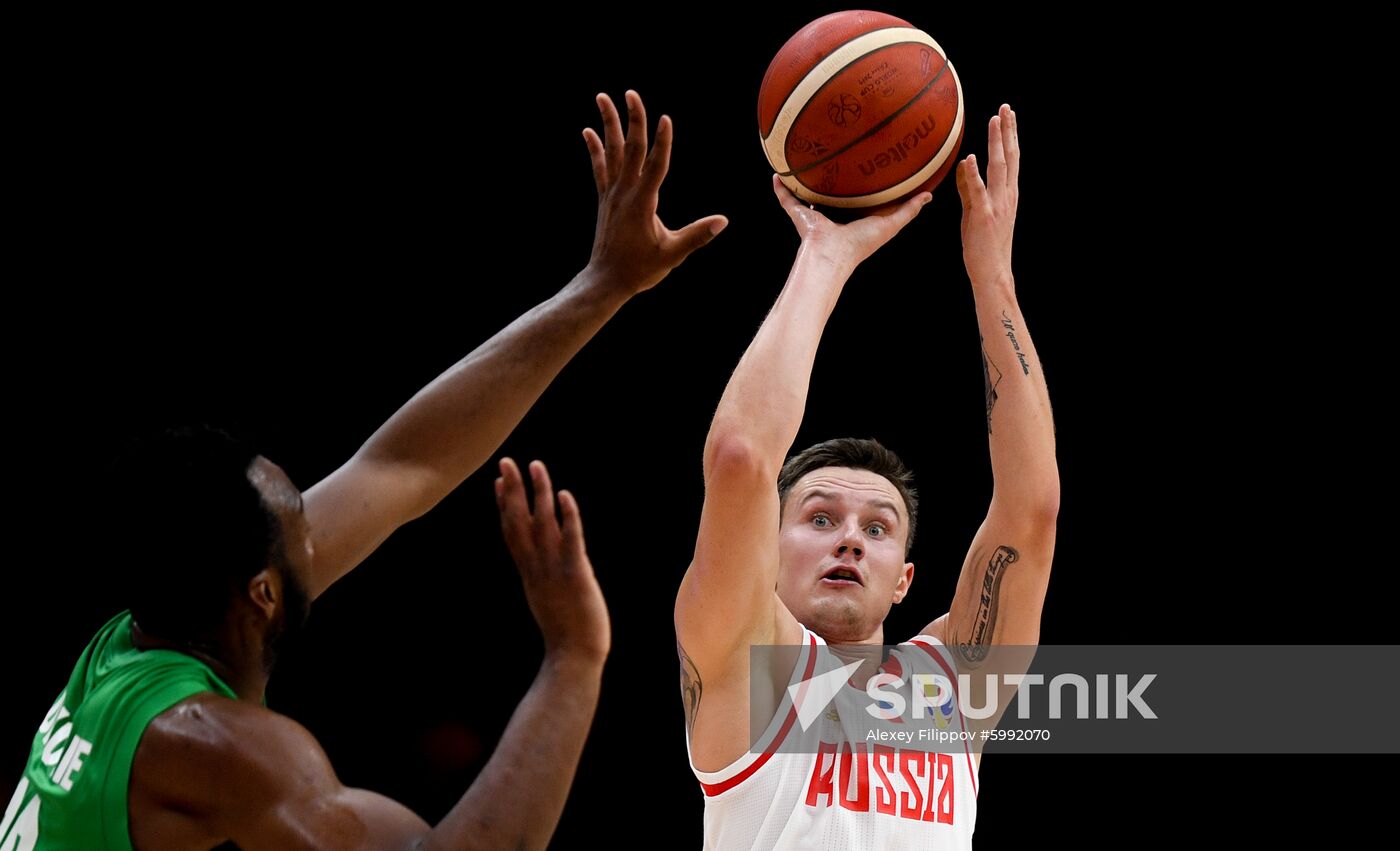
(841, 795)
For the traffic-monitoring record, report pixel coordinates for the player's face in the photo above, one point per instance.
(841, 552)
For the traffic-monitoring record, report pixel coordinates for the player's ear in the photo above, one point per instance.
(264, 589)
(901, 588)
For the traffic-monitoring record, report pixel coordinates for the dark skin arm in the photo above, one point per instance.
(453, 425)
(213, 770)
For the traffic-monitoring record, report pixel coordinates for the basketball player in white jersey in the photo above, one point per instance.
(822, 557)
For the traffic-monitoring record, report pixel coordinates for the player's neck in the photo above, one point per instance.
(237, 662)
(875, 638)
(870, 655)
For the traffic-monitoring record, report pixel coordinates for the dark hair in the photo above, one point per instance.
(190, 526)
(860, 454)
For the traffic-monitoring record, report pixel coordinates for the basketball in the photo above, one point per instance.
(860, 108)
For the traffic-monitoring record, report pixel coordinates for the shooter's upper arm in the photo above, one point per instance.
(727, 598)
(1001, 590)
(260, 780)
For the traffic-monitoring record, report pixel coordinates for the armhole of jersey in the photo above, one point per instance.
(717, 782)
(941, 656)
(116, 790)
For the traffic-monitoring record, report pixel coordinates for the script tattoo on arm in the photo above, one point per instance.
(690, 688)
(984, 625)
(1015, 344)
(991, 377)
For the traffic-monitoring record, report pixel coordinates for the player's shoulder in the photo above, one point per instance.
(213, 723)
(209, 746)
(937, 629)
(786, 628)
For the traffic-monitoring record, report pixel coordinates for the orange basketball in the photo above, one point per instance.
(860, 108)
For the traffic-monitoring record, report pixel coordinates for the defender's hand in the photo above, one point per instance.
(632, 249)
(559, 583)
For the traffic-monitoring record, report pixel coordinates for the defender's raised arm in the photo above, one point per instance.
(451, 427)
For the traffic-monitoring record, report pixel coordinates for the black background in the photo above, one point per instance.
(292, 225)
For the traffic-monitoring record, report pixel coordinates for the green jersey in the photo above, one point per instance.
(74, 791)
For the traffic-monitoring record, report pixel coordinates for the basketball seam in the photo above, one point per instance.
(883, 122)
(904, 186)
(778, 156)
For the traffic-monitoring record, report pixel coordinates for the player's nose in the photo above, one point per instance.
(850, 541)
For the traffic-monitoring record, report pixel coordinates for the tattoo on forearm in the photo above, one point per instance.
(991, 377)
(984, 625)
(1011, 335)
(690, 688)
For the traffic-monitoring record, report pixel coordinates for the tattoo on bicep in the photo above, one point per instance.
(984, 625)
(690, 687)
(1011, 335)
(991, 377)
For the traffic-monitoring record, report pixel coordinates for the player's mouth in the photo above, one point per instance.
(842, 577)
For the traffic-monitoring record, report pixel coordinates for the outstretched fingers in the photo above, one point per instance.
(573, 523)
(996, 153)
(1013, 150)
(635, 149)
(544, 498)
(970, 187)
(598, 156)
(515, 512)
(612, 136)
(658, 162)
(616, 155)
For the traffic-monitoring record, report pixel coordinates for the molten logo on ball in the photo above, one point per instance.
(858, 109)
(897, 153)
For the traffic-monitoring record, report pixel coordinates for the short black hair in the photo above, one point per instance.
(860, 454)
(191, 527)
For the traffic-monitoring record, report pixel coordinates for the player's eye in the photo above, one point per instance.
(822, 520)
(876, 530)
